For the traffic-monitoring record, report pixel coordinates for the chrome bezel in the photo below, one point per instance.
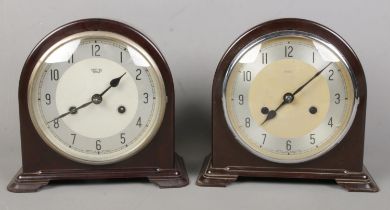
(299, 34)
(47, 135)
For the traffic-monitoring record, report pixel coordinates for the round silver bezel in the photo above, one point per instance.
(289, 33)
(46, 134)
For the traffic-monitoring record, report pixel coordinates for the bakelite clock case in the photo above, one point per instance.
(230, 160)
(157, 161)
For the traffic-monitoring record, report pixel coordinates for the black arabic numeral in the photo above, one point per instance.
(74, 137)
(330, 123)
(139, 123)
(247, 122)
(138, 74)
(56, 124)
(288, 51)
(123, 139)
(95, 50)
(337, 95)
(146, 99)
(241, 99)
(48, 98)
(265, 136)
(288, 145)
(264, 58)
(71, 59)
(331, 72)
(247, 76)
(313, 57)
(312, 139)
(54, 74)
(98, 145)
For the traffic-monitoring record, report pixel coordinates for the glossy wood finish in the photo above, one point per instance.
(164, 178)
(230, 160)
(157, 161)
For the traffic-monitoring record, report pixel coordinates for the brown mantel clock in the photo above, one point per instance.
(96, 101)
(289, 101)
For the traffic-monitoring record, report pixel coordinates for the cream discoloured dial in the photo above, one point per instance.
(289, 97)
(96, 97)
(274, 81)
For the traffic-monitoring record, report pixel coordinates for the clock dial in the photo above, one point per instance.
(96, 97)
(289, 97)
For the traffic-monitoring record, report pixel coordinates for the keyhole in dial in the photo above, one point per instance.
(264, 110)
(313, 110)
(121, 109)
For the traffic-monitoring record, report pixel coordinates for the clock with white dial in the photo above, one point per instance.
(97, 101)
(289, 97)
(96, 97)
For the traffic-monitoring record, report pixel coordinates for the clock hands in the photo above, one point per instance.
(71, 111)
(289, 97)
(311, 79)
(96, 99)
(113, 83)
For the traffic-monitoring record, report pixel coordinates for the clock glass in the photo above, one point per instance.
(289, 96)
(96, 97)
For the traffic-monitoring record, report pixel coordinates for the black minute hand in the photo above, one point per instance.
(289, 97)
(311, 79)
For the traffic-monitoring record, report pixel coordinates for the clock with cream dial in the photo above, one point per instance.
(96, 97)
(289, 97)
(289, 101)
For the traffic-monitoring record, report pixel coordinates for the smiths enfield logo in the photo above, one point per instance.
(96, 70)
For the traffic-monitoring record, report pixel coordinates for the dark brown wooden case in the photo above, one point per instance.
(157, 161)
(230, 160)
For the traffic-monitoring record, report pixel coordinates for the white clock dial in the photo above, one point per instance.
(289, 97)
(96, 97)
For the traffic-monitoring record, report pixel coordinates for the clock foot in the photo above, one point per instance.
(164, 177)
(178, 179)
(22, 183)
(221, 177)
(208, 179)
(362, 183)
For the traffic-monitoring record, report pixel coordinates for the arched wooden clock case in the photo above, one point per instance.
(157, 162)
(230, 160)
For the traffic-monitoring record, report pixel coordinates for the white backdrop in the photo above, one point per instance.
(193, 35)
